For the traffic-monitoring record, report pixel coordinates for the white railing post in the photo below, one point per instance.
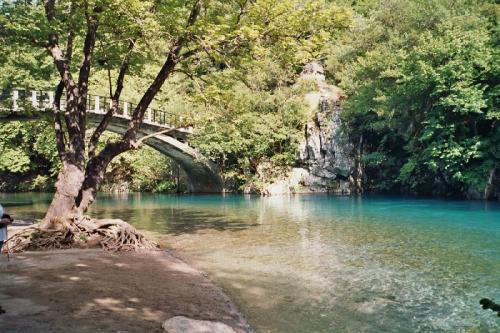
(33, 99)
(51, 99)
(15, 98)
(125, 109)
(96, 104)
(110, 104)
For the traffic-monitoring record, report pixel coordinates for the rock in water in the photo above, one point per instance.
(181, 324)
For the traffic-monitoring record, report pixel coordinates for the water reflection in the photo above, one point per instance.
(328, 264)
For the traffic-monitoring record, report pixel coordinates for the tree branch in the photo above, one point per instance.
(94, 139)
(69, 57)
(50, 11)
(195, 11)
(123, 71)
(88, 49)
(142, 106)
(60, 139)
(165, 71)
(60, 61)
(191, 76)
(58, 128)
(242, 10)
(190, 53)
(62, 64)
(108, 69)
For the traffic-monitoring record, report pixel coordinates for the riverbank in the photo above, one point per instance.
(91, 290)
(324, 263)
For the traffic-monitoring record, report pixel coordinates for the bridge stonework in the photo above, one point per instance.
(202, 174)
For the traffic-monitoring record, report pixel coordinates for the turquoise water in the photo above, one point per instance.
(330, 264)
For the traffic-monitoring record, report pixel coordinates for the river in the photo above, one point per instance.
(318, 263)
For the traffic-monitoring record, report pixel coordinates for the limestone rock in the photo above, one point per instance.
(325, 158)
(313, 71)
(181, 324)
(278, 187)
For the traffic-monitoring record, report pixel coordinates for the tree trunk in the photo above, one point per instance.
(69, 183)
(94, 173)
(94, 176)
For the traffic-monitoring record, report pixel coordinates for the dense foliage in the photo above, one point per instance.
(422, 79)
(27, 149)
(245, 126)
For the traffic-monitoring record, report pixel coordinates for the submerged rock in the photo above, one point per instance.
(181, 324)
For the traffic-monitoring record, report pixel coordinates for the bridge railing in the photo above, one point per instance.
(29, 101)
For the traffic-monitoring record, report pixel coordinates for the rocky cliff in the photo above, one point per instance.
(324, 159)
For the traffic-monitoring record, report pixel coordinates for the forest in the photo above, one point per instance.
(420, 79)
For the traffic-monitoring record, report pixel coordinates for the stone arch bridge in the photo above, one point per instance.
(202, 174)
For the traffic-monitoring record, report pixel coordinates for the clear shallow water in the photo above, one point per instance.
(329, 264)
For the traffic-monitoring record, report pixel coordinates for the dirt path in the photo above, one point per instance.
(93, 291)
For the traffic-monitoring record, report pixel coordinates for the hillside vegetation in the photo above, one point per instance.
(421, 80)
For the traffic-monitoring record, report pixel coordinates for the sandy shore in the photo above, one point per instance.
(95, 291)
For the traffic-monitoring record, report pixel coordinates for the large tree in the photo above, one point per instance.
(120, 36)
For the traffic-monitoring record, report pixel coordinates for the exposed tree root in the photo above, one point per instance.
(111, 235)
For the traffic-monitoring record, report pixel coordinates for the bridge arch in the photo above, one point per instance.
(202, 174)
